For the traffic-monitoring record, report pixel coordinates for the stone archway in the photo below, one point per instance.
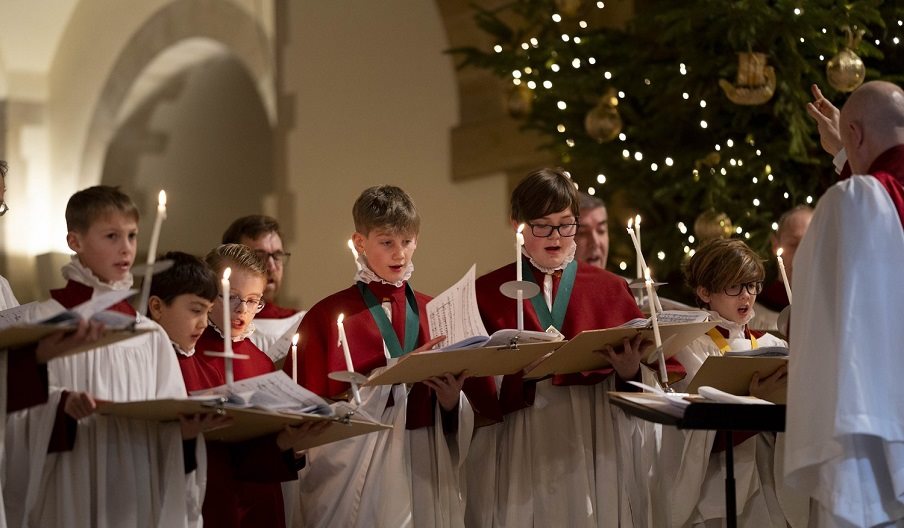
(219, 21)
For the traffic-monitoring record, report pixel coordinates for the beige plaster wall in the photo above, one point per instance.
(374, 102)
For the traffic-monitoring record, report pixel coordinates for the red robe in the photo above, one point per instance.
(888, 168)
(26, 380)
(242, 478)
(273, 311)
(599, 299)
(319, 351)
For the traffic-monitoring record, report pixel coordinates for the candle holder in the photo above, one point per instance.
(352, 378)
(528, 289)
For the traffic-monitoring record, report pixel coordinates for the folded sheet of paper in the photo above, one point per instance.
(454, 312)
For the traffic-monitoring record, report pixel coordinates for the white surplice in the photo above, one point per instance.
(845, 432)
(268, 331)
(693, 478)
(120, 473)
(7, 301)
(392, 478)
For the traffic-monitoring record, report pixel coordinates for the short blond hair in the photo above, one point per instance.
(236, 256)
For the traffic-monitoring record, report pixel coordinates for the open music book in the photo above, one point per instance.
(17, 328)
(259, 406)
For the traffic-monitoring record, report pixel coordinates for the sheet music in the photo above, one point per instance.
(670, 317)
(289, 328)
(16, 315)
(454, 313)
(274, 391)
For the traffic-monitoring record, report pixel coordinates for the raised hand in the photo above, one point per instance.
(828, 121)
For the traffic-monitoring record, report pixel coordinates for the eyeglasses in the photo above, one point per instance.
(237, 304)
(753, 288)
(544, 231)
(278, 256)
(3, 208)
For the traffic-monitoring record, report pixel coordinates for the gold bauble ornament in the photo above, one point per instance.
(603, 123)
(520, 101)
(755, 83)
(710, 225)
(845, 71)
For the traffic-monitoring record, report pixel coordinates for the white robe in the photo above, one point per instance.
(393, 478)
(693, 477)
(7, 301)
(845, 432)
(121, 473)
(571, 459)
(268, 331)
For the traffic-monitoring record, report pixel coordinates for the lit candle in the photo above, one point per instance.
(152, 254)
(519, 241)
(657, 338)
(641, 263)
(295, 358)
(351, 246)
(343, 340)
(781, 269)
(227, 325)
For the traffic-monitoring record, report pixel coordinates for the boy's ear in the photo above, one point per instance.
(358, 240)
(74, 241)
(155, 307)
(703, 294)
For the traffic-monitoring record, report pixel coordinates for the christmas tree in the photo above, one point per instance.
(693, 112)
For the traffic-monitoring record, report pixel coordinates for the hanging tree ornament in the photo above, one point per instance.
(846, 70)
(710, 225)
(755, 83)
(603, 123)
(520, 101)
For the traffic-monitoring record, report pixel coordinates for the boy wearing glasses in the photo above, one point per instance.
(262, 234)
(242, 479)
(559, 452)
(726, 276)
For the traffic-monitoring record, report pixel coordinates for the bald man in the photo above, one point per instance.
(845, 419)
(792, 226)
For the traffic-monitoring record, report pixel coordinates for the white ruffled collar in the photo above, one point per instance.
(568, 258)
(78, 272)
(366, 275)
(236, 337)
(180, 350)
(735, 330)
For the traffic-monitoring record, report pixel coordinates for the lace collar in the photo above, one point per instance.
(366, 275)
(235, 337)
(568, 258)
(78, 272)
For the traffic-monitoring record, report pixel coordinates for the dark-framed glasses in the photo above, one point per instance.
(753, 288)
(236, 304)
(278, 257)
(544, 230)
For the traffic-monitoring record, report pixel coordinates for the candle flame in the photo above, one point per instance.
(637, 220)
(630, 223)
(161, 199)
(341, 317)
(646, 275)
(521, 228)
(295, 340)
(779, 252)
(226, 273)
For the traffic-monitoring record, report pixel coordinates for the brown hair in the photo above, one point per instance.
(388, 207)
(720, 263)
(236, 256)
(251, 226)
(87, 205)
(188, 275)
(544, 192)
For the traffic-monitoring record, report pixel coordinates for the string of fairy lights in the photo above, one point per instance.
(732, 152)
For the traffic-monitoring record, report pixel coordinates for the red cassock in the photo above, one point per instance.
(599, 299)
(319, 352)
(888, 168)
(242, 478)
(273, 311)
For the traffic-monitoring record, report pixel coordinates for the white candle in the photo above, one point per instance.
(351, 246)
(781, 269)
(295, 358)
(152, 254)
(657, 338)
(227, 325)
(519, 299)
(343, 340)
